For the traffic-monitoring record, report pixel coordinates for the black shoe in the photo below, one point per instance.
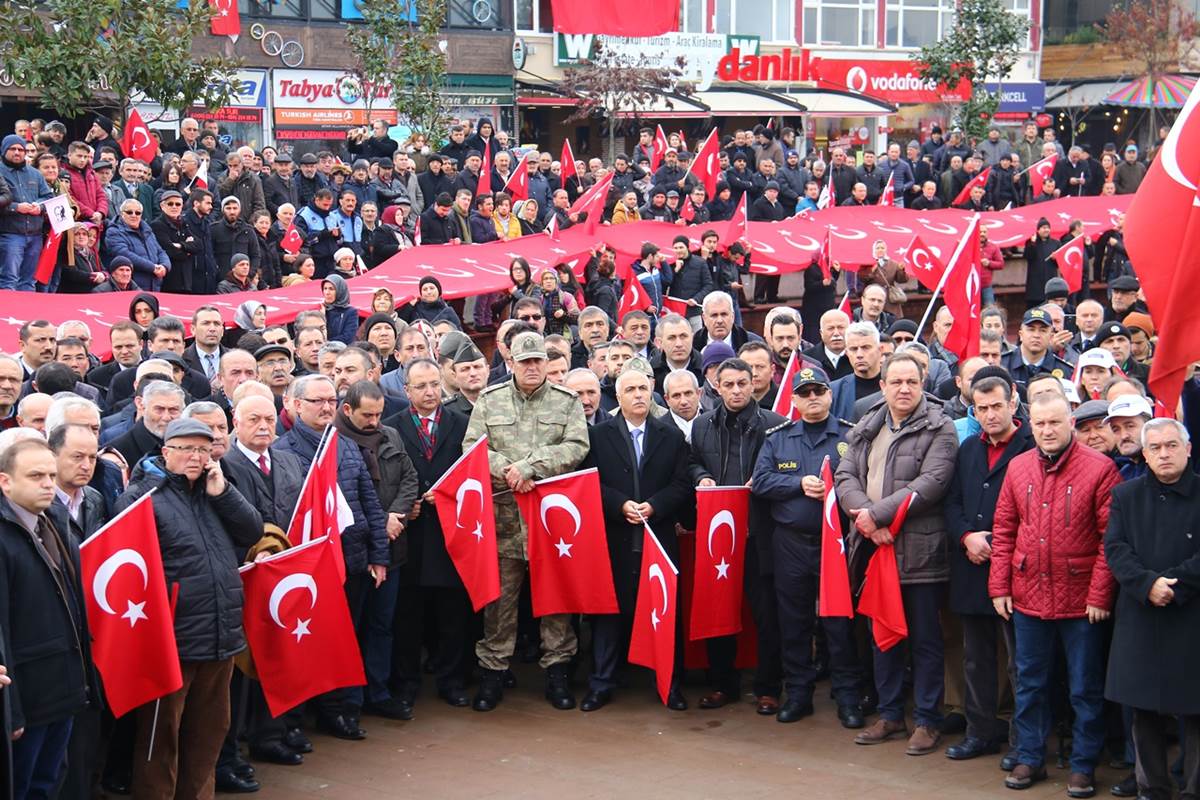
(242, 768)
(510, 679)
(869, 704)
(117, 784)
(596, 700)
(558, 689)
(1009, 762)
(341, 727)
(229, 783)
(491, 690)
(954, 723)
(794, 709)
(676, 701)
(277, 753)
(1126, 788)
(971, 747)
(296, 740)
(456, 696)
(391, 708)
(851, 716)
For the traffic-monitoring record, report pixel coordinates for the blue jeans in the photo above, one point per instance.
(38, 760)
(1083, 644)
(18, 260)
(377, 638)
(987, 295)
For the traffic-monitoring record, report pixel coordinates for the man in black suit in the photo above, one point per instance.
(642, 462)
(830, 354)
(158, 404)
(164, 335)
(718, 325)
(970, 506)
(205, 351)
(432, 436)
(125, 341)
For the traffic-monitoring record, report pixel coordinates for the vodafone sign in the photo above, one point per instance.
(894, 81)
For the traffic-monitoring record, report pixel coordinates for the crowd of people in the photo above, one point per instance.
(1047, 546)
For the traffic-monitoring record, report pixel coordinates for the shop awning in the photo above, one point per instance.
(537, 94)
(823, 102)
(747, 101)
(1082, 94)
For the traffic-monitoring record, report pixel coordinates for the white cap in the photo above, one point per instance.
(1129, 405)
(1070, 390)
(1097, 357)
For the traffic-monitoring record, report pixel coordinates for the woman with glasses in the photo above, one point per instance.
(129, 236)
(522, 285)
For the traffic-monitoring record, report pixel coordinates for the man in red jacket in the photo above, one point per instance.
(85, 186)
(1049, 575)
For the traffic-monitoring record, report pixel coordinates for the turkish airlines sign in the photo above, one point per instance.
(896, 81)
(314, 97)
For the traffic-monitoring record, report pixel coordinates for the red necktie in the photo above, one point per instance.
(262, 464)
(427, 426)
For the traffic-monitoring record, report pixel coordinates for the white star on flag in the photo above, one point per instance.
(722, 569)
(134, 612)
(654, 618)
(564, 549)
(302, 629)
(478, 532)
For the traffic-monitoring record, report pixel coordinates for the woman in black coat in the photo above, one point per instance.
(1040, 267)
(270, 256)
(819, 296)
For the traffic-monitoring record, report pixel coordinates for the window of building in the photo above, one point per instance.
(770, 19)
(533, 16)
(691, 16)
(916, 23)
(848, 23)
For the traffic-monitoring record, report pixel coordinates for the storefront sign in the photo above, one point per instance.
(701, 52)
(897, 81)
(787, 65)
(1023, 97)
(313, 97)
(251, 88)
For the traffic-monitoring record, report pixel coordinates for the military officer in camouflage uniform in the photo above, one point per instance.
(535, 430)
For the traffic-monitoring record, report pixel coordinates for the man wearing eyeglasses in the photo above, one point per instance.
(128, 237)
(311, 401)
(202, 522)
(178, 242)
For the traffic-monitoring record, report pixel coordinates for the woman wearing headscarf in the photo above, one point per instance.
(429, 305)
(82, 272)
(558, 307)
(143, 309)
(250, 317)
(341, 319)
(526, 212)
(384, 302)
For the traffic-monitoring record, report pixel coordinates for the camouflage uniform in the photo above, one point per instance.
(544, 434)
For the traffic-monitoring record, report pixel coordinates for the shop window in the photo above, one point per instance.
(849, 24)
(916, 23)
(532, 16)
(286, 9)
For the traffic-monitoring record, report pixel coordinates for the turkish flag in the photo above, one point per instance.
(739, 224)
(722, 525)
(923, 264)
(137, 141)
(201, 179)
(592, 203)
(616, 18)
(660, 149)
(1162, 235)
(881, 599)
(485, 171)
(828, 196)
(133, 643)
(653, 641)
(844, 306)
(673, 305)
(566, 162)
(980, 179)
(417, 231)
(1070, 259)
(688, 212)
(517, 185)
(888, 197)
(833, 598)
(470, 525)
(48, 259)
(783, 398)
(322, 509)
(1039, 171)
(706, 165)
(962, 294)
(634, 298)
(825, 256)
(292, 242)
(569, 567)
(225, 20)
(298, 625)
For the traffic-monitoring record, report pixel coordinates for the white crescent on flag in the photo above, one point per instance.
(299, 580)
(656, 576)
(104, 575)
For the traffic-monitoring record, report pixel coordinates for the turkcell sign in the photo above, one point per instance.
(1023, 97)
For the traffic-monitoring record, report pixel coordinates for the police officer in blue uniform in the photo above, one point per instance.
(787, 474)
(1034, 355)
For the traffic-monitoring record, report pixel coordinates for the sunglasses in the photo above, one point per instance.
(132, 213)
(812, 391)
(530, 317)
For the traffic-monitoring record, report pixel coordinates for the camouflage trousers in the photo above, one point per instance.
(559, 643)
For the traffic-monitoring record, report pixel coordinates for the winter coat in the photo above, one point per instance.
(1047, 548)
(77, 278)
(919, 460)
(970, 506)
(142, 249)
(202, 540)
(1040, 267)
(247, 188)
(181, 247)
(1151, 534)
(364, 542)
(234, 237)
(433, 313)
(204, 267)
(278, 190)
(26, 185)
(88, 193)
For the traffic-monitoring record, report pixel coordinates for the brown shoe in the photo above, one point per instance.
(924, 740)
(715, 700)
(1080, 784)
(768, 705)
(880, 731)
(1023, 776)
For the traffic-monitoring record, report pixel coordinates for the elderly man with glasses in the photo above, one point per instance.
(131, 238)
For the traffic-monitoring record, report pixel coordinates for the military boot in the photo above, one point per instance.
(491, 690)
(558, 688)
